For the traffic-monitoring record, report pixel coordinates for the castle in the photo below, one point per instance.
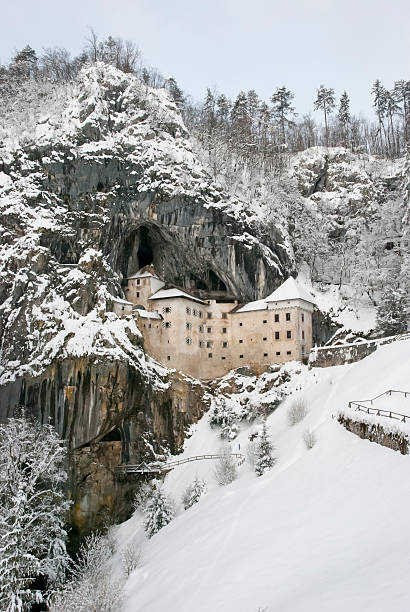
(205, 336)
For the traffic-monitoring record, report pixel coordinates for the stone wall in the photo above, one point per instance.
(376, 433)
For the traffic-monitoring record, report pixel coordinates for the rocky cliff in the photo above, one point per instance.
(95, 184)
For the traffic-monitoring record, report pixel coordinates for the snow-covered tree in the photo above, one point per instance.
(194, 492)
(282, 109)
(225, 469)
(33, 508)
(159, 511)
(91, 588)
(343, 116)
(392, 312)
(325, 101)
(264, 453)
(223, 415)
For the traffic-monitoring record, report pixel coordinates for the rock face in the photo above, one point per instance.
(100, 183)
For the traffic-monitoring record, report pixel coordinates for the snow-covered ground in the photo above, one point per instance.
(325, 529)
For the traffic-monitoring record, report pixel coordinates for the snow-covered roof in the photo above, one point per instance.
(142, 275)
(146, 314)
(290, 290)
(121, 301)
(257, 305)
(163, 294)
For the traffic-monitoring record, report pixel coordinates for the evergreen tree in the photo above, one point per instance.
(264, 453)
(223, 108)
(239, 117)
(159, 511)
(379, 103)
(194, 492)
(24, 63)
(282, 109)
(33, 509)
(392, 312)
(402, 95)
(176, 93)
(325, 101)
(343, 116)
(209, 111)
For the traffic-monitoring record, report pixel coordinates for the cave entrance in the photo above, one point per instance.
(112, 436)
(145, 253)
(216, 284)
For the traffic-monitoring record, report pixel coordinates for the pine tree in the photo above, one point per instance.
(33, 509)
(24, 63)
(264, 453)
(379, 103)
(392, 312)
(223, 108)
(282, 109)
(159, 511)
(209, 111)
(343, 116)
(176, 93)
(402, 95)
(194, 492)
(325, 100)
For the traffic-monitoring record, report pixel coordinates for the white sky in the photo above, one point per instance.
(233, 44)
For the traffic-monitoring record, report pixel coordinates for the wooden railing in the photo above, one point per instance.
(159, 467)
(390, 414)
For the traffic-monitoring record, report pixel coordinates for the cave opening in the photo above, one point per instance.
(145, 253)
(112, 436)
(215, 282)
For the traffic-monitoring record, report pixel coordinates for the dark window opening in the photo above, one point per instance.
(389, 246)
(240, 341)
(288, 352)
(265, 321)
(303, 317)
(265, 354)
(210, 355)
(264, 339)
(278, 352)
(224, 315)
(276, 318)
(288, 316)
(240, 356)
(223, 358)
(224, 344)
(240, 324)
(277, 336)
(224, 330)
(169, 357)
(288, 334)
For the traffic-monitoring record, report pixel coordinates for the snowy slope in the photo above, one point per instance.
(326, 529)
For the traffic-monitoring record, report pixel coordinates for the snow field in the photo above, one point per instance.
(325, 529)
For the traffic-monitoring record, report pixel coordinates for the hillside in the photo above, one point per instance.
(324, 529)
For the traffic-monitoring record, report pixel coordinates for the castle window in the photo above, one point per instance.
(138, 293)
(240, 341)
(303, 317)
(194, 312)
(303, 334)
(288, 352)
(224, 344)
(149, 325)
(240, 324)
(209, 355)
(278, 352)
(224, 315)
(209, 344)
(188, 310)
(188, 340)
(138, 281)
(240, 356)
(265, 354)
(288, 316)
(209, 315)
(209, 330)
(200, 314)
(264, 339)
(223, 358)
(166, 309)
(166, 323)
(201, 328)
(169, 357)
(264, 320)
(276, 318)
(288, 334)
(188, 325)
(277, 335)
(201, 344)
(224, 330)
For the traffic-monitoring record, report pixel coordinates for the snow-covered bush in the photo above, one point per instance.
(91, 588)
(309, 438)
(224, 416)
(144, 493)
(297, 411)
(194, 492)
(392, 312)
(159, 511)
(33, 508)
(264, 460)
(225, 470)
(131, 558)
(251, 451)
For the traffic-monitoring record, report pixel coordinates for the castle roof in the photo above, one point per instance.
(141, 274)
(257, 305)
(173, 292)
(290, 290)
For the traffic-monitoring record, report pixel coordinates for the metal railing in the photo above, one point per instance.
(159, 467)
(359, 405)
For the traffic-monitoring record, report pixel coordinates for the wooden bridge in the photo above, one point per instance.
(160, 467)
(359, 405)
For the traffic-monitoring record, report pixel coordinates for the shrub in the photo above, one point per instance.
(159, 511)
(297, 411)
(309, 438)
(193, 493)
(225, 470)
(264, 453)
(131, 558)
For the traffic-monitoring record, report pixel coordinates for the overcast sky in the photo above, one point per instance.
(233, 44)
